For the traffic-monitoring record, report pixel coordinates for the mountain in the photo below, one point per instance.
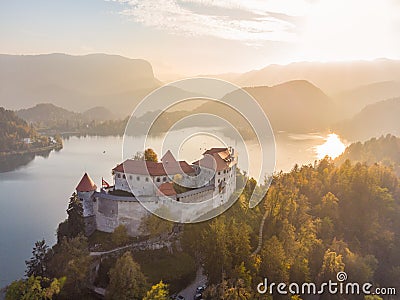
(352, 101)
(47, 113)
(75, 82)
(296, 106)
(374, 120)
(98, 113)
(331, 77)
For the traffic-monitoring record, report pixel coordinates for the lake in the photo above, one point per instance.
(34, 197)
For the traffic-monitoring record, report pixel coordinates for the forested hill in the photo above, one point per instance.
(384, 150)
(13, 131)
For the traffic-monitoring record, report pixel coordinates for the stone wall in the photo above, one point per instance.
(106, 214)
(131, 214)
(90, 225)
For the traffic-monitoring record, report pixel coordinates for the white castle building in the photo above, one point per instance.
(152, 182)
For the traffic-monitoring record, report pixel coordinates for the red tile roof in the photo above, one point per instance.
(216, 158)
(213, 162)
(166, 189)
(86, 184)
(215, 150)
(141, 167)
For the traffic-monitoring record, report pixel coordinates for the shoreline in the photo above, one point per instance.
(35, 151)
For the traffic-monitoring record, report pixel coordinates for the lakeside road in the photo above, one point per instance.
(190, 291)
(38, 150)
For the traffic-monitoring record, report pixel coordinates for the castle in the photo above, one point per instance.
(136, 182)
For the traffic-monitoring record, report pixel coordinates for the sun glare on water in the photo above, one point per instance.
(332, 147)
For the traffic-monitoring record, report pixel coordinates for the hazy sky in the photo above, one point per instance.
(204, 36)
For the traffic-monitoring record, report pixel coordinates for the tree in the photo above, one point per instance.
(274, 263)
(74, 225)
(33, 288)
(120, 236)
(150, 155)
(139, 155)
(158, 292)
(332, 264)
(155, 226)
(127, 282)
(71, 259)
(37, 265)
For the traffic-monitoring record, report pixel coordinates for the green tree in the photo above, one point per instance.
(127, 282)
(150, 155)
(34, 288)
(273, 261)
(74, 225)
(71, 259)
(156, 226)
(120, 236)
(37, 265)
(158, 292)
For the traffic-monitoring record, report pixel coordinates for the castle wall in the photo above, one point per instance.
(131, 214)
(140, 185)
(106, 214)
(87, 203)
(90, 225)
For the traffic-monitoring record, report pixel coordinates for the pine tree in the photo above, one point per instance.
(37, 265)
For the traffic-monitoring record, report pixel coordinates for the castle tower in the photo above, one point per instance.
(85, 190)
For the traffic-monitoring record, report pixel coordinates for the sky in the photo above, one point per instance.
(191, 37)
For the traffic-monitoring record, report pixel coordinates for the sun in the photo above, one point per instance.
(332, 147)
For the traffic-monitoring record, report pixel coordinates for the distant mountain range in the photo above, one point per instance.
(374, 120)
(299, 97)
(46, 113)
(295, 106)
(75, 82)
(354, 100)
(331, 77)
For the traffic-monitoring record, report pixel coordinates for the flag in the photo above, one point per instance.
(104, 183)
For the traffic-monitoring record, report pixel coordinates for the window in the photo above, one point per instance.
(123, 176)
(164, 179)
(158, 179)
(219, 173)
(138, 178)
(147, 179)
(119, 175)
(130, 177)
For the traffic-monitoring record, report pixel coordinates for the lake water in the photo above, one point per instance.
(34, 197)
